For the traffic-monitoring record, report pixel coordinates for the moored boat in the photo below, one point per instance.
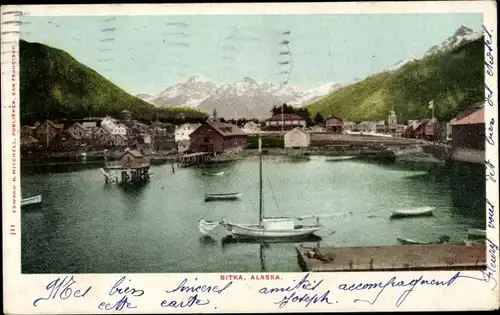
(408, 241)
(31, 200)
(227, 196)
(416, 212)
(214, 174)
(339, 158)
(477, 232)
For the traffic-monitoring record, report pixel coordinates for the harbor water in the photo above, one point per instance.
(85, 226)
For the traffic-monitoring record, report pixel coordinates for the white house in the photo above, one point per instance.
(367, 126)
(251, 127)
(109, 124)
(349, 125)
(297, 138)
(183, 131)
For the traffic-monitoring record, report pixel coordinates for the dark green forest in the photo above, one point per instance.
(55, 85)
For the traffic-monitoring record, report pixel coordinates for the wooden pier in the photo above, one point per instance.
(393, 258)
(194, 159)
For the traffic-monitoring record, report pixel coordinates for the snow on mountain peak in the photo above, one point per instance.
(461, 35)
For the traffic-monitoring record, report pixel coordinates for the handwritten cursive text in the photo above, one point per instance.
(194, 299)
(394, 282)
(488, 42)
(62, 289)
(124, 292)
(296, 296)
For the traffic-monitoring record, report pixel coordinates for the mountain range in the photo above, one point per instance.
(250, 99)
(243, 98)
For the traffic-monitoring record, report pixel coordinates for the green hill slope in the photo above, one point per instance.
(453, 79)
(54, 84)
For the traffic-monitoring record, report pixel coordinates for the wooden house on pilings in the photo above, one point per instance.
(132, 168)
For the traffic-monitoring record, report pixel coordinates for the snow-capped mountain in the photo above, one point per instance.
(462, 34)
(190, 93)
(243, 98)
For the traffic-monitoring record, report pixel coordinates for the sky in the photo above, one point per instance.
(146, 54)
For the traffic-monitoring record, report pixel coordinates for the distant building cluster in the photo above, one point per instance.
(98, 134)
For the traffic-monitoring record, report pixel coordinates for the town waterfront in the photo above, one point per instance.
(85, 226)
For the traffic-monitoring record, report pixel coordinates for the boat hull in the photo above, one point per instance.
(477, 233)
(258, 232)
(422, 212)
(410, 242)
(221, 197)
(31, 200)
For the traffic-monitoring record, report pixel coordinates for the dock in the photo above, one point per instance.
(194, 159)
(393, 258)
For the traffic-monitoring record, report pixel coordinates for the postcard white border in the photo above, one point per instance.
(243, 296)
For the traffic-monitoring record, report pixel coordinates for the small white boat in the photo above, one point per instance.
(408, 241)
(416, 212)
(31, 200)
(339, 158)
(477, 232)
(214, 174)
(270, 228)
(228, 196)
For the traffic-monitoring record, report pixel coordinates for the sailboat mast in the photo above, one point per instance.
(260, 181)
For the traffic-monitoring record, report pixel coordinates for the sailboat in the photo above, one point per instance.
(267, 227)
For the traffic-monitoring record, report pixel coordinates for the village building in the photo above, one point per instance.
(77, 130)
(334, 124)
(68, 140)
(367, 126)
(431, 130)
(468, 137)
(132, 158)
(47, 131)
(251, 127)
(284, 122)
(106, 141)
(89, 124)
(126, 115)
(297, 138)
(120, 141)
(317, 128)
(97, 132)
(108, 123)
(183, 146)
(27, 131)
(380, 126)
(349, 126)
(400, 129)
(216, 137)
(29, 142)
(392, 122)
(183, 131)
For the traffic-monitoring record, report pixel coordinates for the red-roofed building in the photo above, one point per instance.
(285, 121)
(334, 124)
(468, 132)
(216, 137)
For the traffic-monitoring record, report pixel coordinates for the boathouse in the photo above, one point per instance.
(468, 137)
(297, 138)
(132, 166)
(334, 124)
(216, 137)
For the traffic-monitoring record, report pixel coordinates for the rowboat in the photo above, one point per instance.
(214, 174)
(339, 158)
(31, 200)
(416, 212)
(228, 196)
(407, 241)
(477, 232)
